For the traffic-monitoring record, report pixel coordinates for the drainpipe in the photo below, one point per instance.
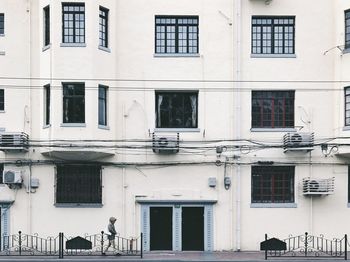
(237, 113)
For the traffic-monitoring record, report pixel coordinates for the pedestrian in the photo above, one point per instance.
(110, 234)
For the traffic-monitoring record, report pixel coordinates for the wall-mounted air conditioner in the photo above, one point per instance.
(11, 177)
(298, 142)
(165, 144)
(317, 186)
(10, 141)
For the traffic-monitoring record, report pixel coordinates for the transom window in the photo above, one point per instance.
(73, 103)
(176, 34)
(2, 99)
(347, 106)
(73, 17)
(272, 184)
(272, 109)
(2, 24)
(347, 28)
(176, 109)
(103, 27)
(102, 105)
(78, 184)
(273, 35)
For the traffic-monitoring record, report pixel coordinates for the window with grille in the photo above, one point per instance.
(73, 103)
(73, 19)
(347, 28)
(102, 105)
(347, 106)
(46, 25)
(272, 109)
(273, 35)
(272, 184)
(2, 99)
(176, 109)
(103, 27)
(78, 184)
(2, 24)
(176, 34)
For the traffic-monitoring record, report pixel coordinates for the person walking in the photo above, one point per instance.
(110, 234)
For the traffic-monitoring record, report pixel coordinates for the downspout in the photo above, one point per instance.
(237, 113)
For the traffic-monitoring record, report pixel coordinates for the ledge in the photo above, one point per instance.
(73, 125)
(2, 35)
(273, 56)
(346, 50)
(2, 111)
(176, 55)
(273, 129)
(106, 49)
(273, 205)
(72, 45)
(173, 201)
(2, 53)
(346, 128)
(178, 130)
(46, 47)
(103, 127)
(78, 205)
(46, 126)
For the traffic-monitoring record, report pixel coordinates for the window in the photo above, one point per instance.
(273, 184)
(2, 99)
(46, 25)
(272, 109)
(347, 29)
(102, 105)
(176, 35)
(273, 35)
(347, 106)
(176, 109)
(1, 171)
(2, 24)
(73, 103)
(78, 184)
(73, 29)
(103, 27)
(47, 101)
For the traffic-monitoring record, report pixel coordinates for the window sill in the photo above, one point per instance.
(103, 127)
(177, 130)
(106, 49)
(273, 205)
(346, 128)
(46, 47)
(273, 56)
(46, 126)
(2, 53)
(273, 129)
(2, 111)
(73, 125)
(72, 45)
(82, 205)
(346, 50)
(1, 35)
(176, 55)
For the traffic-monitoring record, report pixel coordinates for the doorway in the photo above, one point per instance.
(161, 228)
(193, 228)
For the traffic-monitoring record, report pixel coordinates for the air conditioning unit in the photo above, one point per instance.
(298, 142)
(12, 177)
(314, 186)
(165, 144)
(14, 141)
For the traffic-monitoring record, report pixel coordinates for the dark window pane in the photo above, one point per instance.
(78, 184)
(176, 109)
(1, 171)
(347, 106)
(102, 105)
(47, 104)
(73, 23)
(46, 25)
(73, 103)
(103, 27)
(2, 24)
(2, 99)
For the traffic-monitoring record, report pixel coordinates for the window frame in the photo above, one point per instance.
(272, 27)
(74, 97)
(2, 100)
(46, 26)
(103, 100)
(47, 104)
(272, 172)
(2, 24)
(261, 100)
(74, 13)
(176, 35)
(104, 17)
(346, 28)
(345, 105)
(72, 178)
(174, 92)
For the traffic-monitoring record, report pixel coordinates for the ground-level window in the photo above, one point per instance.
(2, 99)
(176, 109)
(272, 109)
(272, 184)
(78, 184)
(73, 103)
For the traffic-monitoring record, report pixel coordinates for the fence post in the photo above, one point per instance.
(102, 242)
(20, 242)
(60, 245)
(346, 246)
(306, 243)
(141, 245)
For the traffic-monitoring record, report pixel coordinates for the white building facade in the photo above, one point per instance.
(202, 124)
